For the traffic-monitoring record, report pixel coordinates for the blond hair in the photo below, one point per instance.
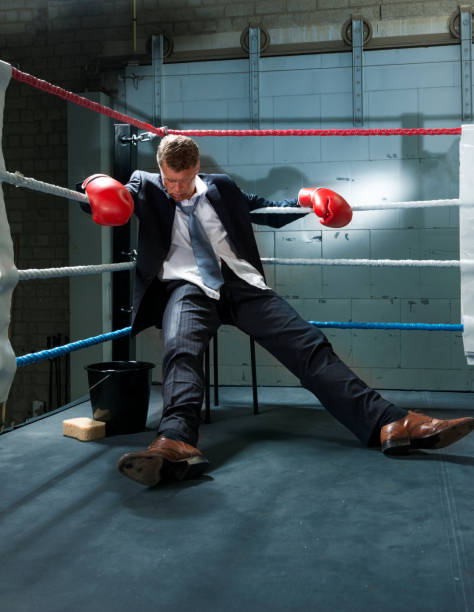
(178, 152)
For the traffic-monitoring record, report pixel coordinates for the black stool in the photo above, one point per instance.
(207, 378)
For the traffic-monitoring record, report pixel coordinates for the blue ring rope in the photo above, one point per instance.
(80, 344)
(69, 348)
(405, 326)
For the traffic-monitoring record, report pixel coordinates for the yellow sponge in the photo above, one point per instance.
(84, 429)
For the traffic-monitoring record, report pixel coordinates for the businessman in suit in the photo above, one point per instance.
(198, 266)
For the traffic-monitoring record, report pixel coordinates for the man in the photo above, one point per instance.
(198, 266)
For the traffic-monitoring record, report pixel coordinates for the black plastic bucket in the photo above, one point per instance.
(120, 392)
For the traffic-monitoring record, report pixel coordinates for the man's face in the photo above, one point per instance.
(181, 184)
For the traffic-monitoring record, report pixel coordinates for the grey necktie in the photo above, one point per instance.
(203, 251)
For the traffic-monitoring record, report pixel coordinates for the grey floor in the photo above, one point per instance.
(294, 515)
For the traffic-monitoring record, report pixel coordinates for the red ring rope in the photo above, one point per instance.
(23, 77)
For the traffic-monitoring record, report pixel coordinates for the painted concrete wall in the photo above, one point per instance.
(81, 46)
(402, 88)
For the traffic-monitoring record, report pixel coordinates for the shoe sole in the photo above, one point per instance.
(152, 469)
(440, 439)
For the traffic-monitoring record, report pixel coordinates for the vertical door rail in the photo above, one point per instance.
(357, 93)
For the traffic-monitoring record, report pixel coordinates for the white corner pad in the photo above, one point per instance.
(8, 271)
(466, 238)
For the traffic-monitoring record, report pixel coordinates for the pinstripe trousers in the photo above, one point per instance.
(190, 320)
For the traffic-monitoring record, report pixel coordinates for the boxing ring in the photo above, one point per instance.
(78, 535)
(10, 276)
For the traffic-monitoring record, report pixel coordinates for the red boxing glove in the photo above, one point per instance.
(328, 204)
(111, 202)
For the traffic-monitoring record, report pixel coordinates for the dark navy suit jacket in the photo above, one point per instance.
(155, 210)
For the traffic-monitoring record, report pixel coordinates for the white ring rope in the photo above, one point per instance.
(38, 273)
(413, 204)
(361, 207)
(74, 270)
(426, 263)
(17, 179)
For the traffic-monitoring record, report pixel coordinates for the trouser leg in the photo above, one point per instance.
(307, 353)
(190, 320)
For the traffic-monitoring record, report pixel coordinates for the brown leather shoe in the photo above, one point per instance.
(164, 459)
(420, 431)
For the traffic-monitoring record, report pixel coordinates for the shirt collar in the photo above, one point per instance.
(201, 186)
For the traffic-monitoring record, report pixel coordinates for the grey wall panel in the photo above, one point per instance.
(376, 347)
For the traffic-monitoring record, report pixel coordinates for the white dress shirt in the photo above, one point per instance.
(180, 262)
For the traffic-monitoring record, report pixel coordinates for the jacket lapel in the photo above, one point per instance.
(220, 207)
(166, 209)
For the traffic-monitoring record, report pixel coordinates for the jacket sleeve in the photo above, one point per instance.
(275, 220)
(134, 184)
